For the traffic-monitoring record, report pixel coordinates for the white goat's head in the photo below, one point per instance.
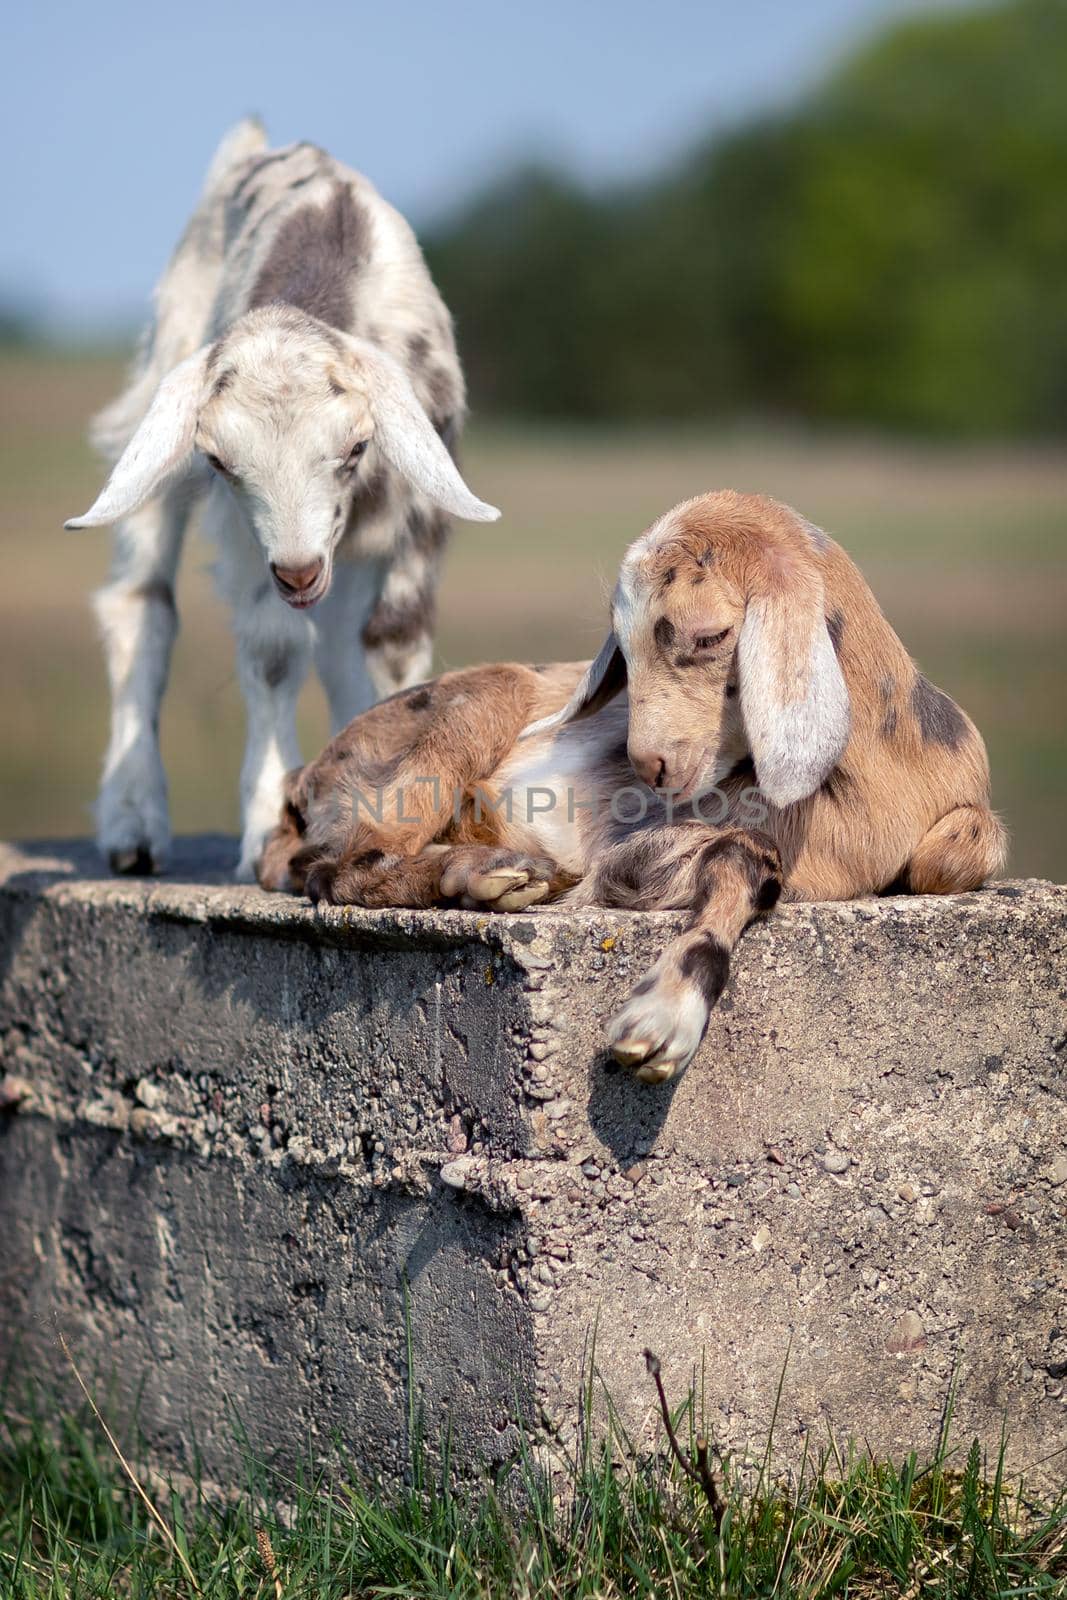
(294, 417)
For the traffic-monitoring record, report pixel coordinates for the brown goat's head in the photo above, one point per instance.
(719, 634)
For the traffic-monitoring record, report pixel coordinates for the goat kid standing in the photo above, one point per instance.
(301, 376)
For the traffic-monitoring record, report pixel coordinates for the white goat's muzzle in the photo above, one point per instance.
(301, 586)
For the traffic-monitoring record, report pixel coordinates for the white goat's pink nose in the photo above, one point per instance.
(298, 579)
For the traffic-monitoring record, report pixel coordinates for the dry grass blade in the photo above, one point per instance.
(700, 1469)
(29, 1565)
(157, 1518)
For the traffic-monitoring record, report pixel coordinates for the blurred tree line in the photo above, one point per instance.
(891, 250)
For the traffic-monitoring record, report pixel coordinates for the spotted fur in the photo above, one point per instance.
(888, 780)
(301, 378)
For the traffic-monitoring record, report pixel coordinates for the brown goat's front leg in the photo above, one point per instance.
(725, 880)
(377, 880)
(476, 877)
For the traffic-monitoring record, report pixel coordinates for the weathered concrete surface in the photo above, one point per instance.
(235, 1130)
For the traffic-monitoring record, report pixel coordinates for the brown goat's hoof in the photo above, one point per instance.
(643, 1061)
(658, 1030)
(137, 862)
(319, 883)
(495, 880)
(656, 1072)
(505, 891)
(629, 1054)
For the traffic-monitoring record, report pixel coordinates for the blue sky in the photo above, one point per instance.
(114, 107)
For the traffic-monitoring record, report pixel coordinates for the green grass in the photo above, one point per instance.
(610, 1521)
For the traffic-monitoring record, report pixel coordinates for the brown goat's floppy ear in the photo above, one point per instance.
(602, 680)
(793, 694)
(162, 445)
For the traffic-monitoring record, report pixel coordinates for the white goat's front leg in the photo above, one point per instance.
(340, 655)
(273, 653)
(138, 622)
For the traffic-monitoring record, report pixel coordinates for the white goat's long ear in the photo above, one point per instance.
(408, 440)
(793, 694)
(161, 446)
(602, 680)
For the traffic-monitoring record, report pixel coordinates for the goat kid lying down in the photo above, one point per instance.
(784, 742)
(301, 379)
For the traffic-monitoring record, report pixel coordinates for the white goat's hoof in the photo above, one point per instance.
(132, 827)
(134, 846)
(259, 823)
(245, 870)
(137, 862)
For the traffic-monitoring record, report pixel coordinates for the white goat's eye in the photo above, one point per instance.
(219, 466)
(356, 451)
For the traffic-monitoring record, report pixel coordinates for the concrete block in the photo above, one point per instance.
(245, 1146)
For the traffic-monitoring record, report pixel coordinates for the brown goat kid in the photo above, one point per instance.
(783, 741)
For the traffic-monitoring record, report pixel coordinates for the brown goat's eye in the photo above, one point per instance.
(708, 641)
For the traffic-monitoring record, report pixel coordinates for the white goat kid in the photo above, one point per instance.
(301, 376)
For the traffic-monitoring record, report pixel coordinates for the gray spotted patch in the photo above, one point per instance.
(399, 626)
(312, 261)
(275, 667)
(940, 719)
(158, 590)
(664, 633)
(835, 627)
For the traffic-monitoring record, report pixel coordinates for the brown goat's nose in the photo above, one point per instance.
(298, 579)
(650, 769)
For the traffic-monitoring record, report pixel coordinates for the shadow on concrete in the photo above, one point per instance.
(622, 1112)
(202, 859)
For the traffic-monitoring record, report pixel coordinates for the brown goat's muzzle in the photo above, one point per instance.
(679, 768)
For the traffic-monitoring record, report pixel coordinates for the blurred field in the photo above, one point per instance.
(966, 549)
